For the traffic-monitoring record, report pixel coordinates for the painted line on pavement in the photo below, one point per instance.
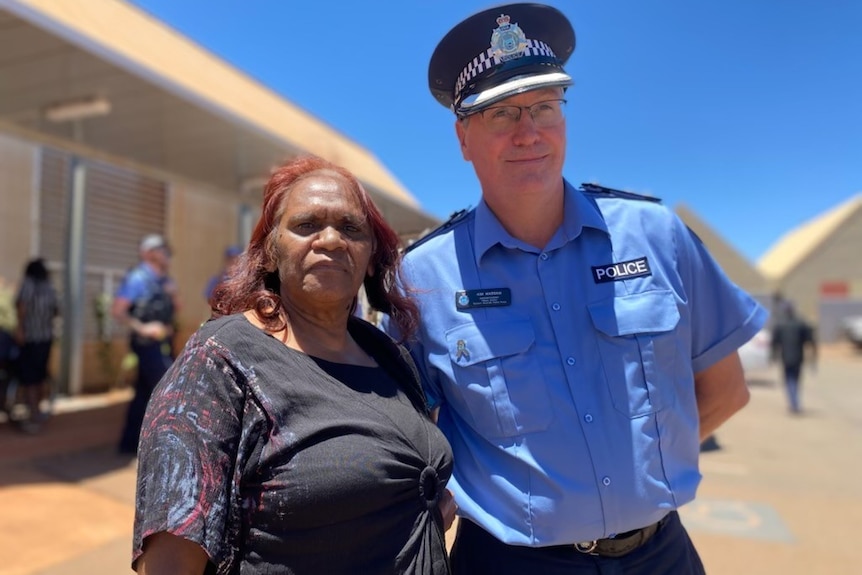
(746, 519)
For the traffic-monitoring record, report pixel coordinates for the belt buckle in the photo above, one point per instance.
(587, 547)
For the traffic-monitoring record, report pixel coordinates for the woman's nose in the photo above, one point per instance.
(330, 238)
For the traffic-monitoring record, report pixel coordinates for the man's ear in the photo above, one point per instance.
(462, 137)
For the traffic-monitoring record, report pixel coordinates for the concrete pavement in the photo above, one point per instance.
(780, 496)
(66, 498)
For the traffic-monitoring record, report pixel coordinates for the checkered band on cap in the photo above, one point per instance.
(487, 60)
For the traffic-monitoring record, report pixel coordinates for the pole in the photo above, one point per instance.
(71, 360)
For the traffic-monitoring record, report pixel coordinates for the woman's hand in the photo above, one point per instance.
(448, 508)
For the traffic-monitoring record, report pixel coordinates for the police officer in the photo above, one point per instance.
(579, 343)
(146, 302)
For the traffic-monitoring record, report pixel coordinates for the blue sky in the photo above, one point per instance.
(747, 111)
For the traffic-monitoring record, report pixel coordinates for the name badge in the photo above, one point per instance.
(622, 271)
(473, 298)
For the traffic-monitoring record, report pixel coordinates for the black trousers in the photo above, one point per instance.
(668, 552)
(154, 359)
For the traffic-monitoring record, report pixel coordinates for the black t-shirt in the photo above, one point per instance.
(790, 336)
(275, 462)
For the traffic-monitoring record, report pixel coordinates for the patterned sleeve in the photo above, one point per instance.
(187, 460)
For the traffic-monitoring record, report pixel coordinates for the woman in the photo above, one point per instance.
(291, 436)
(37, 306)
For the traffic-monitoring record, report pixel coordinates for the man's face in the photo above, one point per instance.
(159, 258)
(523, 160)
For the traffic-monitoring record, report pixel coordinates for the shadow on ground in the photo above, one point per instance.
(71, 447)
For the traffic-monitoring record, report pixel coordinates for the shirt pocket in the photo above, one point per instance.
(497, 378)
(638, 346)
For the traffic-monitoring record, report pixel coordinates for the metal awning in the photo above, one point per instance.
(173, 106)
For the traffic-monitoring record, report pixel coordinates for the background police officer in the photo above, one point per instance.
(575, 401)
(146, 302)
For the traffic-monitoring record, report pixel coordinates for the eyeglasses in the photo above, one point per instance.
(545, 114)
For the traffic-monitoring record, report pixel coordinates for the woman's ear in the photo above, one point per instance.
(270, 257)
(269, 263)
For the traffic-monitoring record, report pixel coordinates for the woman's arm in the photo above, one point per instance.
(168, 554)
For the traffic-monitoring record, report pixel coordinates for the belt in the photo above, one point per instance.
(623, 543)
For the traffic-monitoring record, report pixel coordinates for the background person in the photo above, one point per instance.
(579, 343)
(146, 302)
(231, 254)
(9, 348)
(37, 305)
(291, 436)
(791, 338)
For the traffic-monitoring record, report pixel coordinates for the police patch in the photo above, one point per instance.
(621, 271)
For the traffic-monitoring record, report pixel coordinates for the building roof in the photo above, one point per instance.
(796, 245)
(205, 119)
(122, 31)
(742, 272)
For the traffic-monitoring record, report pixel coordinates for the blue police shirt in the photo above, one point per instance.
(149, 294)
(565, 376)
(140, 282)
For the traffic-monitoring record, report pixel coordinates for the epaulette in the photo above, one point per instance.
(601, 190)
(453, 219)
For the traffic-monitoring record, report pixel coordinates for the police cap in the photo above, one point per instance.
(153, 242)
(498, 53)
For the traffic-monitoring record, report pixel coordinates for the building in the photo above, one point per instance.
(113, 126)
(742, 272)
(818, 267)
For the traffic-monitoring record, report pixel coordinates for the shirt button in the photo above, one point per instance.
(556, 307)
(606, 481)
(544, 256)
(570, 361)
(588, 418)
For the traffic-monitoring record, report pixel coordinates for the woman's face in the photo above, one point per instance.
(323, 243)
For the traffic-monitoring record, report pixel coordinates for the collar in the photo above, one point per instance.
(579, 212)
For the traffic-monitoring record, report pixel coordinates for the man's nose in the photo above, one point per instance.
(525, 127)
